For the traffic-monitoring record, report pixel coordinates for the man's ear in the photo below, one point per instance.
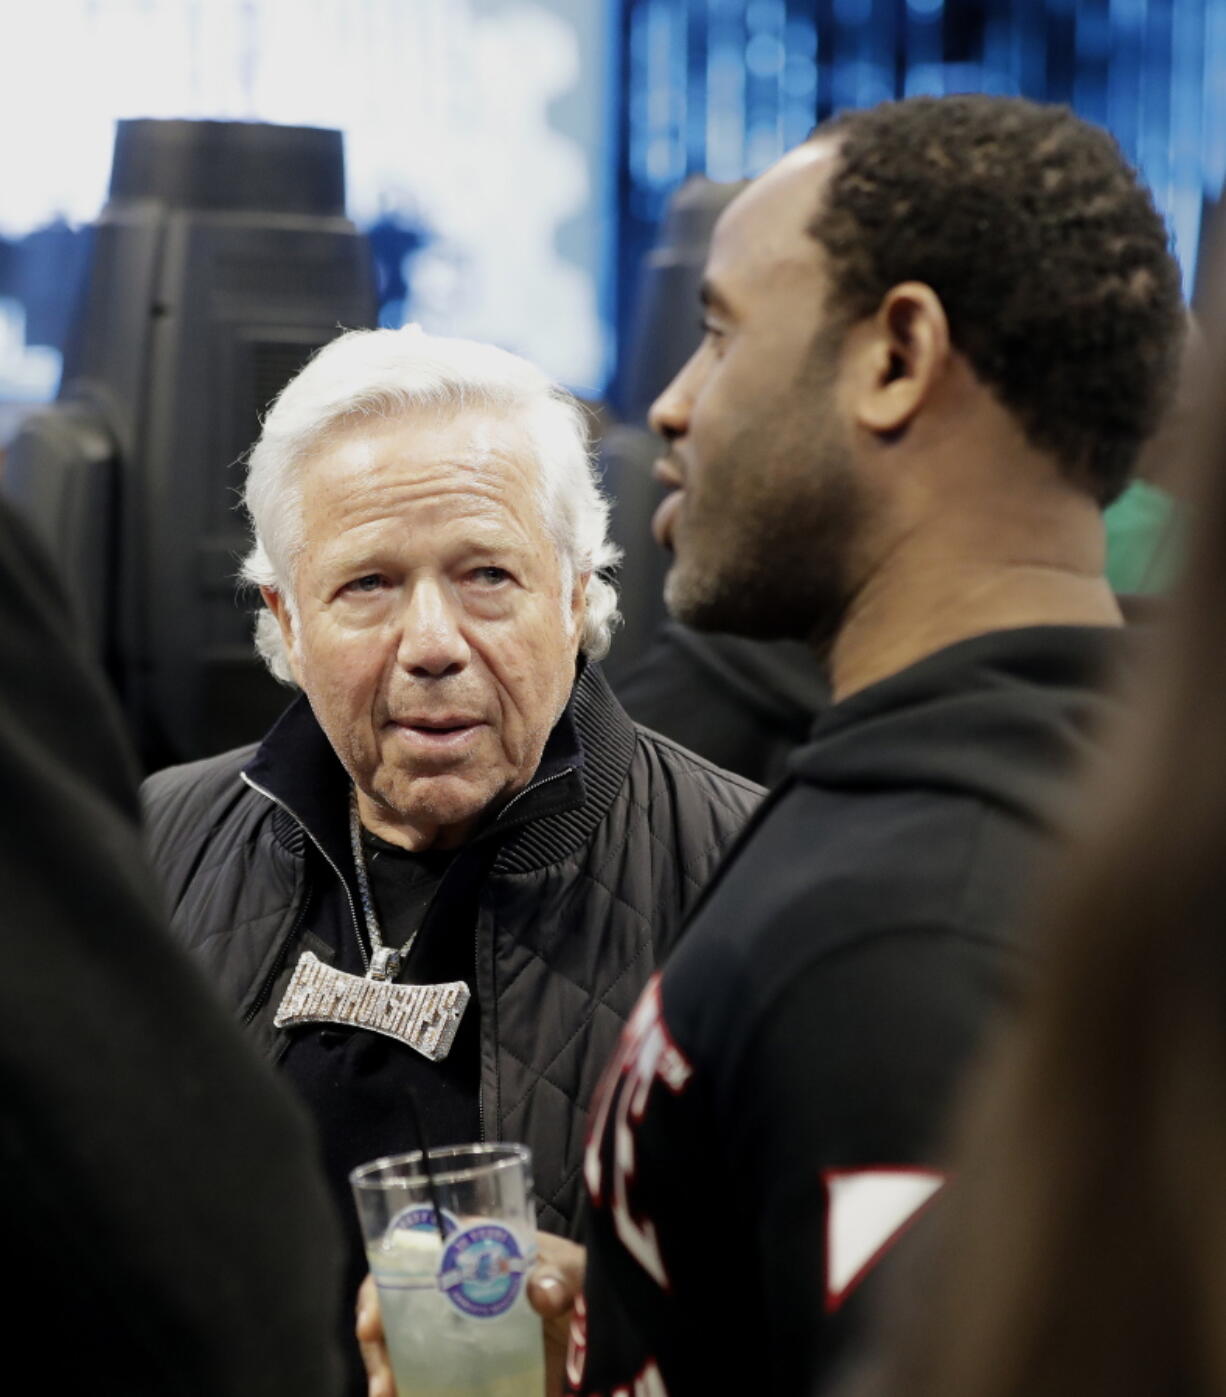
(578, 604)
(898, 358)
(277, 604)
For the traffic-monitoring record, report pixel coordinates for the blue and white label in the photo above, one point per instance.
(420, 1218)
(482, 1270)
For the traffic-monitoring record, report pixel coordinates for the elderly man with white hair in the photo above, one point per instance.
(454, 819)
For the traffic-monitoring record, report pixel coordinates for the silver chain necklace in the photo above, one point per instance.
(425, 1017)
(385, 961)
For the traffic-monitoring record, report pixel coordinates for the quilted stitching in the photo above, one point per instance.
(684, 861)
(552, 1193)
(539, 954)
(600, 1002)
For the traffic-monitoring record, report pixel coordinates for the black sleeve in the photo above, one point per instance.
(842, 1094)
(164, 1226)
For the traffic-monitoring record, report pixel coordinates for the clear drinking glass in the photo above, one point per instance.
(455, 1308)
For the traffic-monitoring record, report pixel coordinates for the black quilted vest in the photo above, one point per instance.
(578, 903)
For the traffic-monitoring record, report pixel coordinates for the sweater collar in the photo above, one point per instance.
(583, 765)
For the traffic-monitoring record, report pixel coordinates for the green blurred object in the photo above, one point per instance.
(1144, 540)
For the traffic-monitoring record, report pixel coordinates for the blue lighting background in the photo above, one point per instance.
(512, 159)
(723, 87)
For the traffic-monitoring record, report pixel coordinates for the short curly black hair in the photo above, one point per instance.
(1052, 264)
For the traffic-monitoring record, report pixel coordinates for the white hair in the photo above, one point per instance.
(395, 373)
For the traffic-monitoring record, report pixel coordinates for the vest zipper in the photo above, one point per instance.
(353, 911)
(527, 790)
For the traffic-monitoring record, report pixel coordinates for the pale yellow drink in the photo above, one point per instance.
(436, 1348)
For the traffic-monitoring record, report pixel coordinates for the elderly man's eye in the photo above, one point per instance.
(491, 576)
(371, 582)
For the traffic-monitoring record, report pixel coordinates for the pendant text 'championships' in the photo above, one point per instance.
(425, 1017)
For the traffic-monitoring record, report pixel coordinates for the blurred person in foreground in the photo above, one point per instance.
(164, 1222)
(454, 813)
(937, 336)
(1081, 1247)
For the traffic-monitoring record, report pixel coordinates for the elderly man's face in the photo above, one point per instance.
(432, 638)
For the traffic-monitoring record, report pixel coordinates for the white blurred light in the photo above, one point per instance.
(445, 107)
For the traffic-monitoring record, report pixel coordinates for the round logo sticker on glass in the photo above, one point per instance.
(420, 1218)
(482, 1270)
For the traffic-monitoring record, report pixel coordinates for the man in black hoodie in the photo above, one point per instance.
(936, 336)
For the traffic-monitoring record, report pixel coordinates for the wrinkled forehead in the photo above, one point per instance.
(470, 436)
(466, 446)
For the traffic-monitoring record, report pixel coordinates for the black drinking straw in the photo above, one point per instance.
(431, 1189)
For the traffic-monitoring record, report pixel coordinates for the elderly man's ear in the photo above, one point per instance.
(578, 604)
(279, 607)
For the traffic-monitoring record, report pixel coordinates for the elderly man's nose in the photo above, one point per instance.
(431, 639)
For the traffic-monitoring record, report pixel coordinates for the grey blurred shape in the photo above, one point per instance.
(221, 261)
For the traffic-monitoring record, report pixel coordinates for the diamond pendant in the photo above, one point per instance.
(423, 1017)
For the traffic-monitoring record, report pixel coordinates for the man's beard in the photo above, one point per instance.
(778, 566)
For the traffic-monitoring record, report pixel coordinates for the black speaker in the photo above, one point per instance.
(221, 262)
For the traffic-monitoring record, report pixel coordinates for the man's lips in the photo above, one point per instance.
(440, 734)
(663, 520)
(666, 470)
(442, 722)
